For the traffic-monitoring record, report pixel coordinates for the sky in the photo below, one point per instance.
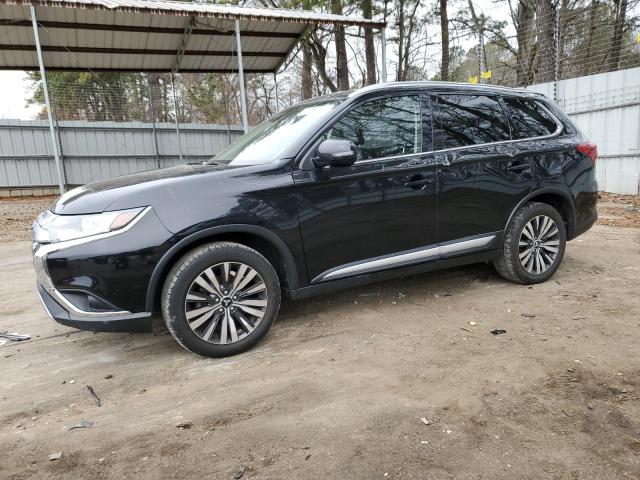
(14, 88)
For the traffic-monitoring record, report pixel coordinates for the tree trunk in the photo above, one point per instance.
(444, 34)
(618, 29)
(319, 57)
(341, 49)
(546, 40)
(307, 85)
(588, 65)
(401, 38)
(369, 48)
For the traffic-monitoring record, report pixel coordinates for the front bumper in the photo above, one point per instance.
(121, 322)
(79, 304)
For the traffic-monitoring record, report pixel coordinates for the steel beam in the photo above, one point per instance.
(45, 87)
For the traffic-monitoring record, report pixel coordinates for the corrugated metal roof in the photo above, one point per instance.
(136, 35)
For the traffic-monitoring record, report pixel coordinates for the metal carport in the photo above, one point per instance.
(153, 35)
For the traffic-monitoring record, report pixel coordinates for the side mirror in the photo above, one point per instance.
(335, 153)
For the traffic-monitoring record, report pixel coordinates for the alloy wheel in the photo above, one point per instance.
(539, 244)
(226, 302)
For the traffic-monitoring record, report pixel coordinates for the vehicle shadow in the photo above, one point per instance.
(435, 284)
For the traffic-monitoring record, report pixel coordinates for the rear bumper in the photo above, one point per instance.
(66, 314)
(585, 225)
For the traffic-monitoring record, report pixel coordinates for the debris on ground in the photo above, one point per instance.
(55, 456)
(82, 424)
(108, 377)
(92, 392)
(184, 425)
(618, 210)
(472, 323)
(442, 295)
(528, 315)
(239, 474)
(425, 421)
(498, 332)
(15, 337)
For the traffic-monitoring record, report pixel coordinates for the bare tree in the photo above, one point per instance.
(545, 27)
(525, 33)
(342, 63)
(406, 29)
(444, 35)
(369, 48)
(618, 29)
(307, 83)
(319, 52)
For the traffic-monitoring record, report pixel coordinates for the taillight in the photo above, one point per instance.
(590, 149)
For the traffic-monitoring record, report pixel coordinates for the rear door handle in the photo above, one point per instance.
(418, 182)
(519, 167)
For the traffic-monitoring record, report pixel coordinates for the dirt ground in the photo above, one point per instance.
(339, 387)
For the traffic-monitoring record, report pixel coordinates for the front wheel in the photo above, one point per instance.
(534, 244)
(220, 299)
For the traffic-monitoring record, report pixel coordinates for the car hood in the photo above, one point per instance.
(135, 190)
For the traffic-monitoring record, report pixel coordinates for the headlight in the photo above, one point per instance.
(53, 228)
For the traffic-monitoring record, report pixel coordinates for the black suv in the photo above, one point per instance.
(355, 187)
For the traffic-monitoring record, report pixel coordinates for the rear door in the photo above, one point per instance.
(481, 178)
(381, 206)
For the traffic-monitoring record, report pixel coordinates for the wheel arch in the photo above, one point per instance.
(558, 199)
(260, 239)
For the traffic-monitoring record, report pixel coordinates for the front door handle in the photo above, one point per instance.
(418, 182)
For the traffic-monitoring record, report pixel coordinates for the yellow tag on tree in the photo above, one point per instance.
(638, 38)
(486, 75)
(473, 79)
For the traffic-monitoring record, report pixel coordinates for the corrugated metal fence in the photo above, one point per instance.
(606, 107)
(99, 150)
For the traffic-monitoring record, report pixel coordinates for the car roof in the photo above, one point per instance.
(427, 85)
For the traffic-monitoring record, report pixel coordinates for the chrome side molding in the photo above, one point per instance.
(408, 257)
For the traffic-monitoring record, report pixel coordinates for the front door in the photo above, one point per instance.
(365, 217)
(481, 175)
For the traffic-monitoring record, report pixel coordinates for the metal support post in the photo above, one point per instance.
(275, 82)
(175, 109)
(243, 93)
(383, 53)
(43, 75)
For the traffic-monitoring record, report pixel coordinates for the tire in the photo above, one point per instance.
(521, 237)
(201, 309)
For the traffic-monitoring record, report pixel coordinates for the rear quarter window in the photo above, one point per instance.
(529, 118)
(461, 120)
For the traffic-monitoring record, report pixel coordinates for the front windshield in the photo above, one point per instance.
(267, 142)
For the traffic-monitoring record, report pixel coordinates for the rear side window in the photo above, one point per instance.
(529, 119)
(460, 120)
(383, 127)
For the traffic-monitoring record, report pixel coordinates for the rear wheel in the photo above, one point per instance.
(534, 244)
(220, 299)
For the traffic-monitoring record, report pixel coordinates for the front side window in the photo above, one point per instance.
(461, 120)
(529, 119)
(383, 127)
